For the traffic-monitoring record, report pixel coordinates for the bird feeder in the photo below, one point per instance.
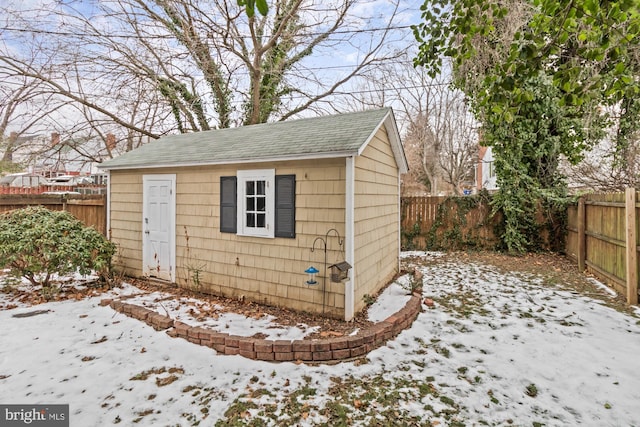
(339, 271)
(312, 271)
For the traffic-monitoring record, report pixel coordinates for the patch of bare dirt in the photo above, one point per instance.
(328, 327)
(58, 291)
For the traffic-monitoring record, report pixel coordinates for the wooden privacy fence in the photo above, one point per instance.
(90, 209)
(445, 223)
(603, 238)
(420, 210)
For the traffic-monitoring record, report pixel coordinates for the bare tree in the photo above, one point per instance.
(608, 166)
(196, 64)
(27, 102)
(96, 138)
(423, 153)
(440, 133)
(456, 133)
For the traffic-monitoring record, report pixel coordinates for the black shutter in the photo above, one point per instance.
(285, 206)
(228, 202)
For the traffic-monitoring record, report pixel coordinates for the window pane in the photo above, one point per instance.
(251, 220)
(250, 188)
(251, 204)
(261, 220)
(261, 188)
(261, 201)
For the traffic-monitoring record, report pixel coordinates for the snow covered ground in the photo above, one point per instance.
(496, 349)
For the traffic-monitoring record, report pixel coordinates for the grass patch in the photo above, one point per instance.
(531, 390)
(238, 413)
(369, 401)
(155, 371)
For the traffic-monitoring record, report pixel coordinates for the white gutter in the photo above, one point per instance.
(349, 230)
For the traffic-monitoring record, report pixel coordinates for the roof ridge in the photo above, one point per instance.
(292, 121)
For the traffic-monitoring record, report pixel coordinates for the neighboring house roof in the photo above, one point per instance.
(40, 152)
(340, 135)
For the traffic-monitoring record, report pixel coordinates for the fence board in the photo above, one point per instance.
(608, 233)
(90, 209)
(631, 256)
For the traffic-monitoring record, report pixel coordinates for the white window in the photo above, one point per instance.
(492, 170)
(256, 202)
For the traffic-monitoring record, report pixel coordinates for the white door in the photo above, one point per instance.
(159, 226)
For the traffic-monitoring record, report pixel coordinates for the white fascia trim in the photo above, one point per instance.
(331, 155)
(396, 142)
(349, 238)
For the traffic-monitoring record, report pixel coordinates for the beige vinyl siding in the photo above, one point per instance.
(376, 212)
(266, 270)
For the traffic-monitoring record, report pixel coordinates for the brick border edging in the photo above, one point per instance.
(322, 350)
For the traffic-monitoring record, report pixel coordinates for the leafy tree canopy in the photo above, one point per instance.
(590, 48)
(536, 73)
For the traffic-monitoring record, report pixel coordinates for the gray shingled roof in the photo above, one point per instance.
(328, 136)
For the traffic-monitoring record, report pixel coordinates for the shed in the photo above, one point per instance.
(244, 212)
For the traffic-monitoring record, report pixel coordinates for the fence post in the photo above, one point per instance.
(632, 252)
(582, 239)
